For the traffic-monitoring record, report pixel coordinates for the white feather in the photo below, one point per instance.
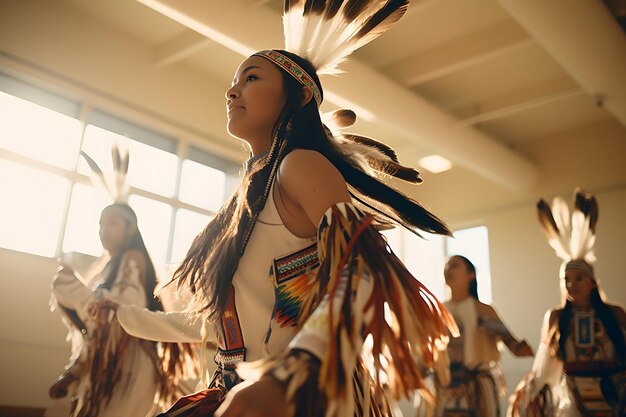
(328, 42)
(575, 239)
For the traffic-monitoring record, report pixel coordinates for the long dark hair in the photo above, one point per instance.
(473, 285)
(214, 255)
(607, 318)
(133, 242)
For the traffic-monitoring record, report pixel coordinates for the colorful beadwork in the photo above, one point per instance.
(294, 70)
(295, 277)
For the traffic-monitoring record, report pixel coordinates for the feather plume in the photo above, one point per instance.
(332, 8)
(115, 185)
(313, 15)
(120, 157)
(572, 236)
(375, 26)
(583, 233)
(381, 147)
(379, 158)
(97, 176)
(327, 31)
(587, 204)
(553, 233)
(339, 119)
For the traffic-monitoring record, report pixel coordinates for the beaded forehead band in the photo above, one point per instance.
(294, 70)
(580, 265)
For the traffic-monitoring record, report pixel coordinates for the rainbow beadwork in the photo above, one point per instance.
(295, 276)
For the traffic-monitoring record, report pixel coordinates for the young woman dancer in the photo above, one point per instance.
(580, 365)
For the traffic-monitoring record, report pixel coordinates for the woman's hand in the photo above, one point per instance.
(63, 270)
(522, 349)
(264, 398)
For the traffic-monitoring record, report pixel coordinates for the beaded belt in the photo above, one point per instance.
(231, 350)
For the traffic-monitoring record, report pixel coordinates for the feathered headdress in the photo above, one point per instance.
(115, 185)
(325, 33)
(572, 237)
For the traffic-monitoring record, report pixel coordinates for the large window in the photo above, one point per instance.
(50, 206)
(426, 257)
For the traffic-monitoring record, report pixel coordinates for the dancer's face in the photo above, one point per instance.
(578, 285)
(255, 100)
(457, 274)
(114, 230)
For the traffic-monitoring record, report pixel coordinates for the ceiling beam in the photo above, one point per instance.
(179, 47)
(520, 107)
(584, 38)
(455, 56)
(410, 118)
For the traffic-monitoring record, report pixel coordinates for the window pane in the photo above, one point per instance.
(154, 220)
(474, 245)
(202, 186)
(37, 132)
(139, 133)
(188, 225)
(82, 230)
(150, 168)
(425, 259)
(32, 209)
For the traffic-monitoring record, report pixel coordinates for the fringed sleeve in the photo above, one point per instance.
(71, 294)
(537, 393)
(104, 345)
(364, 331)
(179, 336)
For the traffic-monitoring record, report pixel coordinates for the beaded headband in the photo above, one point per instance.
(294, 70)
(580, 265)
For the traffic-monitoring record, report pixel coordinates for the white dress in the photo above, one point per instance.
(274, 285)
(574, 387)
(275, 268)
(477, 384)
(134, 393)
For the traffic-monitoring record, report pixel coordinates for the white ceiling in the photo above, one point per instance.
(468, 58)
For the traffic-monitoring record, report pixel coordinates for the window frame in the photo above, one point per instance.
(93, 109)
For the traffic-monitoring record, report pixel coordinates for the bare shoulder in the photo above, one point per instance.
(550, 320)
(553, 315)
(486, 310)
(312, 182)
(307, 163)
(304, 171)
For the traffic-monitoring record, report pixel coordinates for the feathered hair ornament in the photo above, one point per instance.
(116, 185)
(326, 32)
(571, 236)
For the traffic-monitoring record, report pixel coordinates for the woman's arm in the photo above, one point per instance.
(494, 325)
(128, 297)
(310, 181)
(70, 292)
(359, 279)
(160, 326)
